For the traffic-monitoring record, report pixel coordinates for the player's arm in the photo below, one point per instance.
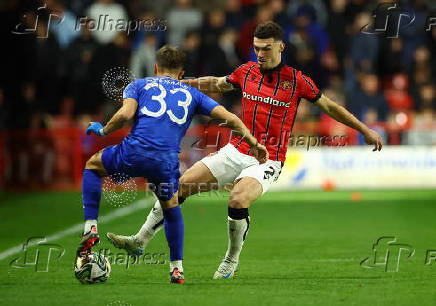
(124, 114)
(232, 121)
(340, 114)
(210, 84)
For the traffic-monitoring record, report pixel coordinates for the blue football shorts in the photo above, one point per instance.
(160, 168)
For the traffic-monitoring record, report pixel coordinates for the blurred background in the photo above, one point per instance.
(52, 70)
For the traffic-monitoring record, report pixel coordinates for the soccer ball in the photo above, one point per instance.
(92, 268)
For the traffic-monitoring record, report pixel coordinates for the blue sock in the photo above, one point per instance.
(174, 231)
(91, 193)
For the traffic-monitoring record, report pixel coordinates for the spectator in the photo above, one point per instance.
(191, 46)
(305, 20)
(370, 118)
(149, 18)
(118, 53)
(143, 59)
(364, 47)
(422, 131)
(191, 17)
(336, 28)
(47, 71)
(354, 8)
(397, 95)
(427, 97)
(413, 34)
(235, 18)
(245, 42)
(391, 57)
(63, 25)
(223, 54)
(105, 15)
(307, 42)
(278, 8)
(368, 95)
(79, 57)
(212, 28)
(421, 71)
(317, 5)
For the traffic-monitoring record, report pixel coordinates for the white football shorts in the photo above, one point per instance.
(229, 165)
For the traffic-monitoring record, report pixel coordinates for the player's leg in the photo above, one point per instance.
(174, 232)
(246, 191)
(195, 179)
(91, 194)
(251, 184)
(212, 172)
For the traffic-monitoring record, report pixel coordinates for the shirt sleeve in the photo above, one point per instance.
(205, 104)
(237, 76)
(131, 91)
(308, 89)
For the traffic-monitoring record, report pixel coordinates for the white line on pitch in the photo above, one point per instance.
(78, 227)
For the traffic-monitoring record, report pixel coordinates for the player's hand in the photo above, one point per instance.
(96, 128)
(373, 138)
(260, 153)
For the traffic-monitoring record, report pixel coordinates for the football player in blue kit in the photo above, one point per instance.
(162, 109)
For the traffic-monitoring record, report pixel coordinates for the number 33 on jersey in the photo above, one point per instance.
(165, 110)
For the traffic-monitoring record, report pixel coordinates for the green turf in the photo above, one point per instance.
(303, 248)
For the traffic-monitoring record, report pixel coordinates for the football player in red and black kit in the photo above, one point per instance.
(271, 93)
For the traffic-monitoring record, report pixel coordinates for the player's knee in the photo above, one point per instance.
(237, 200)
(184, 190)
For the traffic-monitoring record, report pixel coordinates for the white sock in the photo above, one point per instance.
(238, 230)
(151, 227)
(88, 224)
(176, 264)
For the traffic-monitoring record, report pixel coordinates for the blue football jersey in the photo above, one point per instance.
(166, 108)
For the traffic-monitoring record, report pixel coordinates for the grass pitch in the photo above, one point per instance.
(303, 248)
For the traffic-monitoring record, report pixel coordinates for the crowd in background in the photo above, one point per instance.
(389, 83)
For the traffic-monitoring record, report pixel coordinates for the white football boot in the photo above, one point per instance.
(129, 243)
(227, 269)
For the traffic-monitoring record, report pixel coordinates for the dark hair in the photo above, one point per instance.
(171, 58)
(269, 29)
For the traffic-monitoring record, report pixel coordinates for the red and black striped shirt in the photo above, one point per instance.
(269, 104)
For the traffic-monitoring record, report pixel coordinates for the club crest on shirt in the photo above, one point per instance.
(286, 85)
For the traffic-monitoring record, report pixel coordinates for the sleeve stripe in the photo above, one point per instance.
(278, 83)
(254, 119)
(260, 83)
(294, 83)
(247, 74)
(310, 84)
(281, 131)
(267, 124)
